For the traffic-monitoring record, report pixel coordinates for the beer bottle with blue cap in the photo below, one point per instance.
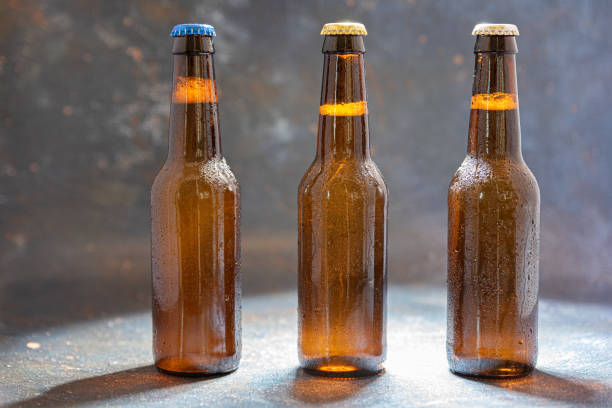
(342, 223)
(195, 224)
(493, 226)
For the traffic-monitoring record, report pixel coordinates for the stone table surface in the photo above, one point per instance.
(108, 362)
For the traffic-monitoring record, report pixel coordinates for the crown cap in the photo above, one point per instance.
(344, 28)
(182, 30)
(495, 29)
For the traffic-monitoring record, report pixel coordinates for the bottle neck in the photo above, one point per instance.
(494, 131)
(194, 117)
(343, 114)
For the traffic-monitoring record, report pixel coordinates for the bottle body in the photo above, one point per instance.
(342, 235)
(342, 269)
(195, 227)
(493, 235)
(493, 224)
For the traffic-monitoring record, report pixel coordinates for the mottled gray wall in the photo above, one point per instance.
(84, 116)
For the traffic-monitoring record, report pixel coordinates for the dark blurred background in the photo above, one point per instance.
(84, 122)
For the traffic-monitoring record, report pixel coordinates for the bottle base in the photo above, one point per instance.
(490, 368)
(196, 374)
(342, 367)
(180, 368)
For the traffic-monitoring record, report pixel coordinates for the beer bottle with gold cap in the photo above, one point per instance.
(195, 224)
(342, 222)
(493, 226)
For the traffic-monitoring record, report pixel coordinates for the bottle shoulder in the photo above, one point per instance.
(504, 176)
(351, 174)
(212, 174)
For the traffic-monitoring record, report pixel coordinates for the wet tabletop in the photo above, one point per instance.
(107, 362)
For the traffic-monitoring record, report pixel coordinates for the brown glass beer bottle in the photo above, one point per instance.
(195, 224)
(342, 237)
(493, 226)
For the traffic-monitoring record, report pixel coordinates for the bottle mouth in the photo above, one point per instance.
(343, 44)
(193, 44)
(503, 44)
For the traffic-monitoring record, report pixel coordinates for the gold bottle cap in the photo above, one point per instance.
(495, 29)
(344, 28)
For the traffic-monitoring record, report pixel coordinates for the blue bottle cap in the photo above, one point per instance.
(183, 30)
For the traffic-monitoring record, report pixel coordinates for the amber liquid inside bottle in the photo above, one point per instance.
(342, 238)
(195, 227)
(493, 230)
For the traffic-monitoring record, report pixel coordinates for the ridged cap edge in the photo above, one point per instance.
(495, 29)
(344, 28)
(182, 30)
